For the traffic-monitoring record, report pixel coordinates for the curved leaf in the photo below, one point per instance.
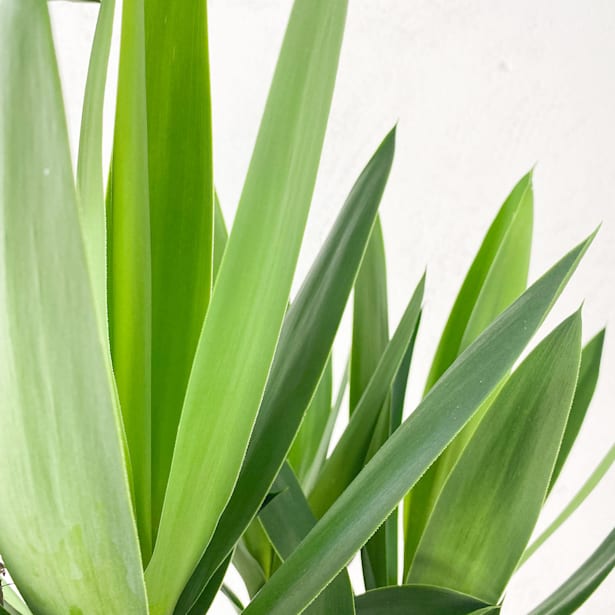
(411, 449)
(491, 500)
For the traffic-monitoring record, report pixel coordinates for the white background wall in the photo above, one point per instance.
(482, 90)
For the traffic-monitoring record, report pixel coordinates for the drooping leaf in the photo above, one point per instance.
(66, 525)
(586, 385)
(181, 196)
(245, 315)
(90, 179)
(298, 363)
(589, 485)
(305, 446)
(350, 453)
(582, 584)
(491, 500)
(387, 477)
(232, 598)
(287, 519)
(416, 600)
(129, 263)
(497, 276)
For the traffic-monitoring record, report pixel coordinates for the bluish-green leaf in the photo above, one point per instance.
(287, 519)
(416, 600)
(487, 510)
(412, 448)
(298, 363)
(582, 584)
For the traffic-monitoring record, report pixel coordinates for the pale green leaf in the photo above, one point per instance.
(251, 293)
(67, 531)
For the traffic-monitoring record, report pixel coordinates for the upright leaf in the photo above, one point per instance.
(90, 179)
(370, 321)
(586, 385)
(129, 263)
(350, 453)
(66, 526)
(486, 512)
(243, 322)
(181, 196)
(497, 276)
(299, 360)
(393, 470)
(582, 584)
(287, 519)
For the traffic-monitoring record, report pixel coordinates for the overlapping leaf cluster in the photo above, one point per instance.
(166, 411)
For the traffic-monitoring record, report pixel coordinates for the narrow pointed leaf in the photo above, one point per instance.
(287, 519)
(58, 409)
(90, 179)
(490, 503)
(305, 446)
(299, 361)
(497, 276)
(590, 484)
(350, 453)
(129, 271)
(214, 585)
(181, 196)
(220, 236)
(412, 448)
(582, 584)
(416, 600)
(586, 385)
(243, 322)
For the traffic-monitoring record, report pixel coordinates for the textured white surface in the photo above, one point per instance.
(482, 90)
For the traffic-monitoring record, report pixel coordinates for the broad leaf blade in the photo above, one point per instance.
(287, 519)
(416, 600)
(586, 385)
(58, 409)
(497, 276)
(299, 361)
(582, 584)
(349, 455)
(181, 203)
(412, 448)
(245, 315)
(489, 505)
(129, 271)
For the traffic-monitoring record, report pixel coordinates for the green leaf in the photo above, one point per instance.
(232, 598)
(220, 236)
(586, 385)
(299, 361)
(497, 276)
(210, 591)
(305, 446)
(370, 322)
(58, 409)
(287, 519)
(582, 584)
(411, 449)
(350, 453)
(181, 197)
(90, 180)
(589, 485)
(245, 315)
(129, 264)
(489, 505)
(416, 600)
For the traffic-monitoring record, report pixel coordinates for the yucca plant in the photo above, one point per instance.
(166, 409)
